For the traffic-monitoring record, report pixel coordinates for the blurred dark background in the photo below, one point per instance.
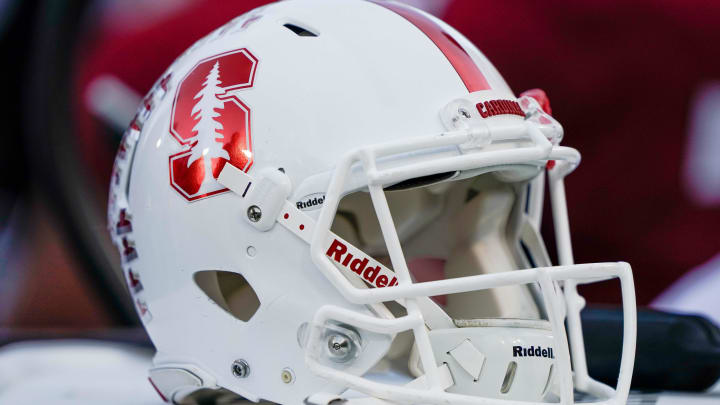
(636, 85)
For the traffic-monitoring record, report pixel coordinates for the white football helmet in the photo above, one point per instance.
(302, 180)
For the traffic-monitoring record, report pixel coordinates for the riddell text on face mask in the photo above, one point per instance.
(372, 274)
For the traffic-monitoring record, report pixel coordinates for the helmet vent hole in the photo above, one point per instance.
(299, 31)
(547, 384)
(421, 181)
(230, 291)
(509, 377)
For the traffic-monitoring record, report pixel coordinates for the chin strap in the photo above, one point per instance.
(265, 200)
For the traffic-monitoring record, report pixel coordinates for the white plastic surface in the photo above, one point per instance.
(75, 372)
(469, 358)
(170, 380)
(269, 193)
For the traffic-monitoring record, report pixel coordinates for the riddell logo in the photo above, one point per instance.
(311, 202)
(211, 123)
(499, 107)
(338, 251)
(533, 351)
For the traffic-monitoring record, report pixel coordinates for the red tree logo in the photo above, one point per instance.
(214, 124)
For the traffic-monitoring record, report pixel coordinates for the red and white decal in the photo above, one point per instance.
(142, 308)
(214, 124)
(129, 253)
(134, 281)
(466, 68)
(124, 223)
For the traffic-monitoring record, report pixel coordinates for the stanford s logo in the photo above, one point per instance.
(212, 123)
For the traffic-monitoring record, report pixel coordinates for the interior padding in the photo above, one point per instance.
(411, 210)
(471, 225)
(481, 246)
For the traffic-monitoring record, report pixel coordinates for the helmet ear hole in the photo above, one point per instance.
(230, 291)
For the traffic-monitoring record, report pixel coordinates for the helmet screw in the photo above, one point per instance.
(464, 113)
(287, 376)
(240, 368)
(340, 347)
(254, 213)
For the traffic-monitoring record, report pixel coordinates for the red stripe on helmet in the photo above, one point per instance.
(460, 60)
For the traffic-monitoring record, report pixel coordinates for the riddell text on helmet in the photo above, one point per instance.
(533, 351)
(376, 275)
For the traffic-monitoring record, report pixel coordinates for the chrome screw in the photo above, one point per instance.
(463, 112)
(240, 368)
(341, 348)
(254, 213)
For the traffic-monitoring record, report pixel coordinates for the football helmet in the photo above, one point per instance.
(341, 200)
